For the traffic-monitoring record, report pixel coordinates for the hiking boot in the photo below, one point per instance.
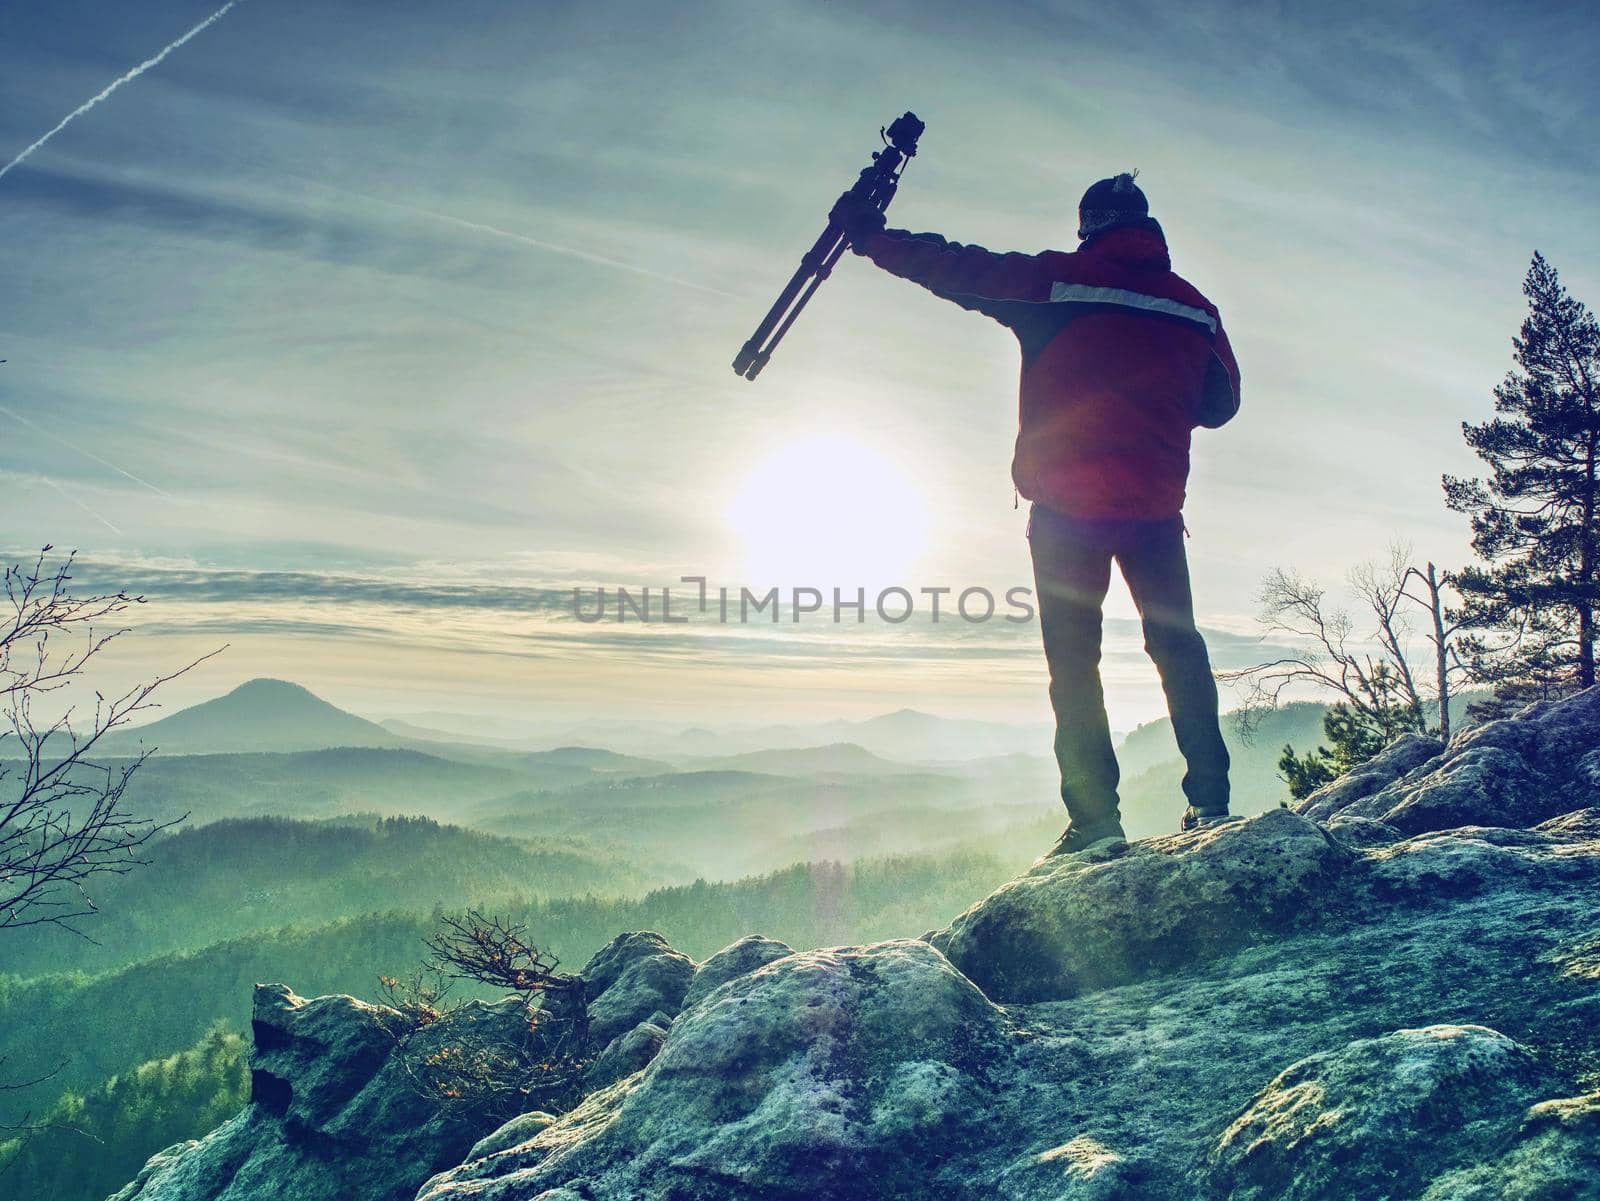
(1200, 819)
(1087, 836)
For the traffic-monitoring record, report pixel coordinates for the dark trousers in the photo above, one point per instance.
(1072, 560)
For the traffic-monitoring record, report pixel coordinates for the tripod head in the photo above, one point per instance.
(903, 133)
(875, 186)
(877, 182)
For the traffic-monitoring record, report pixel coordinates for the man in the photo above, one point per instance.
(1121, 360)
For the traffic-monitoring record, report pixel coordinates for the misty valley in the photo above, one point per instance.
(310, 845)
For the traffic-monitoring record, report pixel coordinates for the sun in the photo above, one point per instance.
(829, 512)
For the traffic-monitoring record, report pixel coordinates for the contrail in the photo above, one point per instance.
(536, 243)
(34, 425)
(569, 251)
(117, 83)
(81, 505)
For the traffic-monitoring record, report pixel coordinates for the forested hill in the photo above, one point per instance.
(106, 1023)
(1152, 744)
(323, 783)
(236, 877)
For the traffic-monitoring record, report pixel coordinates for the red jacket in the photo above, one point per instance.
(1121, 359)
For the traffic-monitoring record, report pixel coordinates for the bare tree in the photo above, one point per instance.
(1385, 588)
(62, 817)
(1333, 655)
(494, 952)
(25, 1128)
(1427, 589)
(1368, 668)
(453, 1064)
(1329, 655)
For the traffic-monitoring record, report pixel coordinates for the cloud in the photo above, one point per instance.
(487, 615)
(366, 412)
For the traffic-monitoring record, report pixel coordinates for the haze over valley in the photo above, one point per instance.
(306, 842)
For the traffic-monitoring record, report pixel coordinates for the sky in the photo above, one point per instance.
(357, 336)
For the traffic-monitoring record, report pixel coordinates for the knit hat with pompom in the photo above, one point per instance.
(1110, 203)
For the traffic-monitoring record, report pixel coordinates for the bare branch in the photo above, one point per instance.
(63, 820)
(491, 951)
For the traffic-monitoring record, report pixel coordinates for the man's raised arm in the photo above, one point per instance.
(945, 268)
(950, 269)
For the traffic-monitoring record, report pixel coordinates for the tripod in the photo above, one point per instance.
(876, 185)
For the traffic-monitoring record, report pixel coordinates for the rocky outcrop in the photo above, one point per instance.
(1556, 1153)
(1404, 755)
(1080, 922)
(335, 1109)
(627, 1053)
(1446, 1113)
(519, 1129)
(1348, 1122)
(632, 978)
(343, 1105)
(1333, 1041)
(1359, 1000)
(738, 959)
(812, 1077)
(1517, 771)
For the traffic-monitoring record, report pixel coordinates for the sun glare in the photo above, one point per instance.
(828, 512)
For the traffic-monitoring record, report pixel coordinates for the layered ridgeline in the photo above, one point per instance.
(901, 783)
(1393, 992)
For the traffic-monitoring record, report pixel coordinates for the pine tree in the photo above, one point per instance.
(1357, 732)
(1536, 518)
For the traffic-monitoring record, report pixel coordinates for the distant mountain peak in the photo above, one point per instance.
(262, 714)
(902, 717)
(268, 685)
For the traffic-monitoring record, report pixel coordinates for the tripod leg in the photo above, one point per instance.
(822, 273)
(814, 268)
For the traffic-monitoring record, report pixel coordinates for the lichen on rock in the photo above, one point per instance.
(1075, 923)
(806, 1078)
(1348, 1123)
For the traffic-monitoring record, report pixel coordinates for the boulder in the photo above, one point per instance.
(737, 959)
(1556, 1155)
(1478, 786)
(310, 1059)
(611, 960)
(629, 979)
(156, 1165)
(1362, 832)
(1381, 1117)
(1580, 824)
(850, 1072)
(1080, 1169)
(335, 1112)
(518, 1130)
(625, 1055)
(1080, 922)
(1453, 864)
(1400, 758)
(1515, 772)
